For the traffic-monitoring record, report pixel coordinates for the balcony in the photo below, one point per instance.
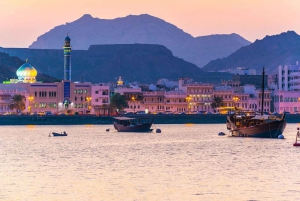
(153, 102)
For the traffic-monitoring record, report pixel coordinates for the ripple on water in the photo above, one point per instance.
(184, 162)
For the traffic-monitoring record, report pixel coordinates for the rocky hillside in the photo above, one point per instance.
(269, 52)
(9, 65)
(105, 63)
(142, 29)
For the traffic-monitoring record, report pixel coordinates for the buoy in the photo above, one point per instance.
(280, 137)
(107, 130)
(158, 130)
(296, 144)
(221, 133)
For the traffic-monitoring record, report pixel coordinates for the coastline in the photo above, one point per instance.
(107, 120)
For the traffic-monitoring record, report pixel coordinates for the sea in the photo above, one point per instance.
(184, 162)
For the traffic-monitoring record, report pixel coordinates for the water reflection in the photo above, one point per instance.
(184, 162)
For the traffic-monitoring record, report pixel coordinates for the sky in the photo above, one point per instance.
(22, 21)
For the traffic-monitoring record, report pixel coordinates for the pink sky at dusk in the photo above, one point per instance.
(23, 21)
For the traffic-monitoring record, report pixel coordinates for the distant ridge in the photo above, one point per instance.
(105, 63)
(143, 29)
(270, 52)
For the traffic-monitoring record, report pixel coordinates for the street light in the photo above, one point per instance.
(88, 99)
(133, 99)
(235, 99)
(30, 98)
(188, 100)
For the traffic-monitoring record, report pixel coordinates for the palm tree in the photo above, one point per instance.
(17, 102)
(217, 102)
(118, 101)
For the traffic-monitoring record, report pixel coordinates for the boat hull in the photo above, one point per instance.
(59, 134)
(265, 130)
(146, 127)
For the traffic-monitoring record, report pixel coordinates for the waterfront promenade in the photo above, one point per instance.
(107, 120)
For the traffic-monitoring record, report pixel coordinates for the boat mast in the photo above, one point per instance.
(263, 91)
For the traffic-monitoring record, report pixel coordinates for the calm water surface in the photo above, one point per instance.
(184, 162)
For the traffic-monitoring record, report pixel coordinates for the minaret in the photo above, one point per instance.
(67, 60)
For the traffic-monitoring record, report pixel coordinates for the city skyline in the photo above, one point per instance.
(252, 19)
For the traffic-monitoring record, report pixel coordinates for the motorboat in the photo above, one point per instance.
(59, 134)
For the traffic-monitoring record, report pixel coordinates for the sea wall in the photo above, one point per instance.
(158, 119)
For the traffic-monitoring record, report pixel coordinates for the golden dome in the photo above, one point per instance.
(120, 81)
(27, 73)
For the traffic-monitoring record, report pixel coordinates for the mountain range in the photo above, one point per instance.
(270, 52)
(141, 29)
(105, 63)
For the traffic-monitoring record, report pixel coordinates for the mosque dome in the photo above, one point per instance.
(27, 73)
(120, 81)
(68, 38)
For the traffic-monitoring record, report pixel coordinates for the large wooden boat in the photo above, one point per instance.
(262, 126)
(246, 124)
(126, 124)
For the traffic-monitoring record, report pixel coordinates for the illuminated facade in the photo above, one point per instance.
(67, 59)
(26, 73)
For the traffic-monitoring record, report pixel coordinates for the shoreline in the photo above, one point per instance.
(107, 120)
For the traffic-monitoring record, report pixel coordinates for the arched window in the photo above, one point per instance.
(281, 98)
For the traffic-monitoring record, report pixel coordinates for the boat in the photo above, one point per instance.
(297, 144)
(251, 124)
(59, 134)
(126, 124)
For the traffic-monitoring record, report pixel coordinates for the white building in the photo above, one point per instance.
(287, 96)
(289, 77)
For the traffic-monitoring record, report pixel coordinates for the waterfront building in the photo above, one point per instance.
(227, 95)
(100, 94)
(165, 101)
(134, 97)
(246, 98)
(286, 101)
(286, 97)
(289, 77)
(176, 101)
(199, 95)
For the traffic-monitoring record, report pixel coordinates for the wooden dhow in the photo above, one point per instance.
(250, 124)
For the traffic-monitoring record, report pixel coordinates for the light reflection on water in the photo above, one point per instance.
(184, 162)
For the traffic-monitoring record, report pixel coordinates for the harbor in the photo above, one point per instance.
(108, 120)
(184, 162)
